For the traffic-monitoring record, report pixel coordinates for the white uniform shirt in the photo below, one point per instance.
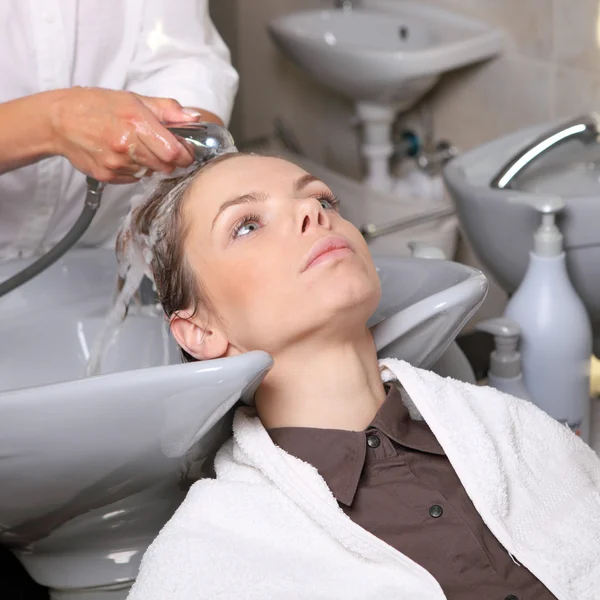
(152, 47)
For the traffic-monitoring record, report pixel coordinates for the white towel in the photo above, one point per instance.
(269, 528)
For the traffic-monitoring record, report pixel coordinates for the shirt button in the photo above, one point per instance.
(373, 441)
(437, 511)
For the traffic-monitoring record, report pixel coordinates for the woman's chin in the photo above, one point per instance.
(352, 299)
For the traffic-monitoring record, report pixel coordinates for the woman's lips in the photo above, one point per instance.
(327, 249)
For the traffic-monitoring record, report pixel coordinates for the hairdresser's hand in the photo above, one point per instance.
(117, 136)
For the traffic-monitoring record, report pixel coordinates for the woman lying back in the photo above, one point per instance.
(330, 488)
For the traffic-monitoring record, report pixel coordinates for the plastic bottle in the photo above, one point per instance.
(556, 335)
(505, 361)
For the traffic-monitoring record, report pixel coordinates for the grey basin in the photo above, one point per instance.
(425, 303)
(90, 469)
(501, 232)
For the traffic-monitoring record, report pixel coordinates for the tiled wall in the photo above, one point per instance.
(551, 68)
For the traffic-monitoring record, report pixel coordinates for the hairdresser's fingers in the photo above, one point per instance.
(135, 158)
(142, 157)
(126, 164)
(169, 110)
(162, 143)
(148, 145)
(188, 146)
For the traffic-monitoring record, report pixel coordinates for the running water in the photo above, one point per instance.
(114, 320)
(134, 257)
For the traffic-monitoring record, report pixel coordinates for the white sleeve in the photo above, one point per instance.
(179, 54)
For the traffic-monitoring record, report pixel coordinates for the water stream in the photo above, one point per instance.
(134, 257)
(114, 321)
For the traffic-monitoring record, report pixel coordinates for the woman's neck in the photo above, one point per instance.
(324, 384)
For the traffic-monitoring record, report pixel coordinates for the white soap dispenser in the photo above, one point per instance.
(556, 335)
(505, 372)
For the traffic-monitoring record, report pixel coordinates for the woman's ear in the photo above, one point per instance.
(201, 342)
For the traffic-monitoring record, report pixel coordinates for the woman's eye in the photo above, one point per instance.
(328, 202)
(246, 226)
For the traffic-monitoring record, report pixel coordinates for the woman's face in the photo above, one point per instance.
(275, 257)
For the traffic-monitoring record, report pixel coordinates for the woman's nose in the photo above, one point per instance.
(312, 215)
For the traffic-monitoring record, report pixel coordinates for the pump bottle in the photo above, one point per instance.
(505, 372)
(556, 335)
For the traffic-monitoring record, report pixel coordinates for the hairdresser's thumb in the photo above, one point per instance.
(168, 110)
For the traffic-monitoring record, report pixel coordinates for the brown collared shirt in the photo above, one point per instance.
(395, 481)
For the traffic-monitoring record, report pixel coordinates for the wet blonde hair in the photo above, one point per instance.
(155, 230)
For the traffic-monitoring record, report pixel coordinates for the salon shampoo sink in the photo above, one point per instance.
(91, 468)
(425, 303)
(501, 230)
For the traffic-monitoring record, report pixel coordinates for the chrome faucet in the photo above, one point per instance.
(586, 128)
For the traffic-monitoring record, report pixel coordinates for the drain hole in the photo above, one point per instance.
(403, 32)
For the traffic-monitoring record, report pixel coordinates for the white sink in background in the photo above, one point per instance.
(393, 51)
(384, 57)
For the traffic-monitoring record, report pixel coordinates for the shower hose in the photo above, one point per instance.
(92, 202)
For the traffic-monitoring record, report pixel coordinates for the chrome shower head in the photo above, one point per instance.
(208, 140)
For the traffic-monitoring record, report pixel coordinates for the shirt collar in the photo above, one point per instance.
(394, 420)
(339, 455)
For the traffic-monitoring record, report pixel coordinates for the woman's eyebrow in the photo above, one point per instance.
(299, 185)
(243, 199)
